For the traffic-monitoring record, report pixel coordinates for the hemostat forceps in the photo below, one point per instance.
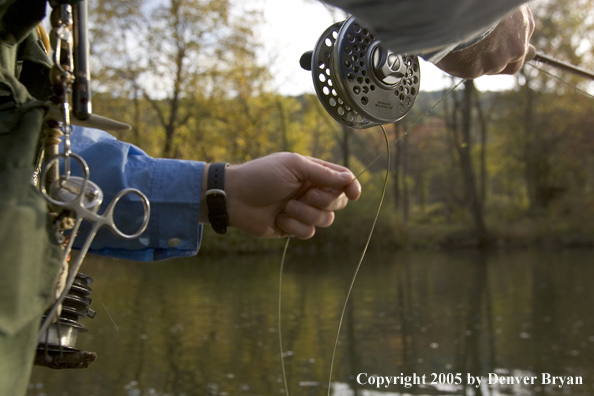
(84, 208)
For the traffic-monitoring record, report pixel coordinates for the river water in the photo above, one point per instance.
(208, 326)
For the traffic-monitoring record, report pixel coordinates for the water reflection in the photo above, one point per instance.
(206, 326)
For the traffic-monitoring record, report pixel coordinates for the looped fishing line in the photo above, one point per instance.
(352, 282)
(386, 150)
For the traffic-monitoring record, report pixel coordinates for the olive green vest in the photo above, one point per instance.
(29, 253)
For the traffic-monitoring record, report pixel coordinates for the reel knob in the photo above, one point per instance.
(358, 81)
(388, 66)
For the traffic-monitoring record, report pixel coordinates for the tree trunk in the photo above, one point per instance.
(404, 159)
(284, 146)
(463, 144)
(536, 165)
(464, 150)
(396, 165)
(483, 150)
(346, 152)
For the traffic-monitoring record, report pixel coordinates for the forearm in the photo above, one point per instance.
(422, 26)
(172, 186)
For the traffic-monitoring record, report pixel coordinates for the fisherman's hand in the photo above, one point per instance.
(287, 194)
(503, 51)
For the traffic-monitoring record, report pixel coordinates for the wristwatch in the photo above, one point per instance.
(216, 199)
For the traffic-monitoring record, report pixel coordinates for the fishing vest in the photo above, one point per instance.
(29, 253)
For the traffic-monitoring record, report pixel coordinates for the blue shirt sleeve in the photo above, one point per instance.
(173, 188)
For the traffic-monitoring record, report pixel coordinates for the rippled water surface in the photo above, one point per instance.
(205, 326)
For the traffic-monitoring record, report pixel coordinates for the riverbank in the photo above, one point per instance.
(350, 231)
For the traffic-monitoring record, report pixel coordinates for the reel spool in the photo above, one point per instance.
(359, 82)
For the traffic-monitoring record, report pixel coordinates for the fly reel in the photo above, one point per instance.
(360, 82)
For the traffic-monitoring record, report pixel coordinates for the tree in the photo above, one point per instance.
(183, 57)
(563, 32)
(461, 134)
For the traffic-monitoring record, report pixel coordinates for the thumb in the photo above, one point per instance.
(325, 174)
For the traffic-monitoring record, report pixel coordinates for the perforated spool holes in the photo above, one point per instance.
(329, 90)
(351, 82)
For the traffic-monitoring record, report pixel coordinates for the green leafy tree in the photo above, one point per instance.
(564, 33)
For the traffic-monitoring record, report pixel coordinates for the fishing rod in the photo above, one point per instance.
(534, 55)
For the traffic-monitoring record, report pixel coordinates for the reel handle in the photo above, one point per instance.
(305, 60)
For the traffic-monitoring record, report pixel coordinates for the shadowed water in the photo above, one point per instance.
(204, 326)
